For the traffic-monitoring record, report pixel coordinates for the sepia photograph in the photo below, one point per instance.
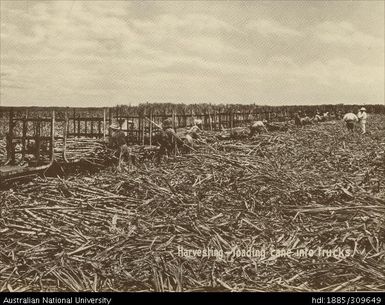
(191, 146)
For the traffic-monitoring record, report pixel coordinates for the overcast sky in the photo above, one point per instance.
(97, 53)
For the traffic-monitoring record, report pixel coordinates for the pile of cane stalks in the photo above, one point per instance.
(301, 210)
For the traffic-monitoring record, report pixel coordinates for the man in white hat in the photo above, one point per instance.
(118, 141)
(362, 117)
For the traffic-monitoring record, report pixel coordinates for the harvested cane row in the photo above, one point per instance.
(96, 152)
(317, 188)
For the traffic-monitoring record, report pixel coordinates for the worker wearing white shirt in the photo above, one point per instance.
(362, 117)
(257, 126)
(194, 132)
(199, 123)
(350, 118)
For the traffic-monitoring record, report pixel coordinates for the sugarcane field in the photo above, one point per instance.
(297, 208)
(195, 149)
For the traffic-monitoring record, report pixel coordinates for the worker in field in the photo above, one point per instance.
(297, 119)
(339, 115)
(194, 132)
(362, 117)
(317, 117)
(198, 122)
(168, 139)
(191, 137)
(10, 148)
(350, 119)
(189, 141)
(257, 126)
(118, 142)
(306, 120)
